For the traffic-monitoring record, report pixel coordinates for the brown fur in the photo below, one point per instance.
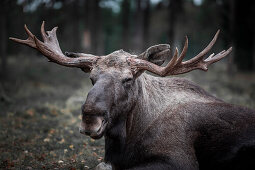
(165, 123)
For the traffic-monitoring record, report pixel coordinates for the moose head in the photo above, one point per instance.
(114, 76)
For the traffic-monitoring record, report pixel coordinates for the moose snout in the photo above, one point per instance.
(91, 125)
(82, 129)
(84, 132)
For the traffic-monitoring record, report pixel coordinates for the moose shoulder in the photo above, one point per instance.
(151, 122)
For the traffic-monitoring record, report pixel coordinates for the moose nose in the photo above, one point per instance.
(88, 133)
(84, 132)
(82, 129)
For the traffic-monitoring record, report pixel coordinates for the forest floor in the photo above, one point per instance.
(40, 112)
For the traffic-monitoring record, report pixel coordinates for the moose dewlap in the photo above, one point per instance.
(151, 122)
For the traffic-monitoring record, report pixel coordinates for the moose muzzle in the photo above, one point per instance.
(93, 126)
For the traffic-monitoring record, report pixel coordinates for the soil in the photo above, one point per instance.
(40, 112)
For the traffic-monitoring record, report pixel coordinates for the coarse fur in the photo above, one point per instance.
(167, 123)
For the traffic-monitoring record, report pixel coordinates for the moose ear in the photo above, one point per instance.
(156, 54)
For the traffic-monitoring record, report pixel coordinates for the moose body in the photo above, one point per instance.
(157, 123)
(177, 125)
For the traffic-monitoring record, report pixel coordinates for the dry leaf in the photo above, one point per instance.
(46, 140)
(30, 112)
(62, 141)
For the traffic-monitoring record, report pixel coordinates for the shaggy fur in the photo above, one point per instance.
(167, 123)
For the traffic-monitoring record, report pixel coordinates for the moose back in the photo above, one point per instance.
(151, 122)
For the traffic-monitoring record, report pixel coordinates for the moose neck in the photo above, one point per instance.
(168, 93)
(144, 110)
(151, 93)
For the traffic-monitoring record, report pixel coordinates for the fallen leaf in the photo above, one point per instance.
(52, 131)
(46, 140)
(54, 112)
(30, 112)
(60, 161)
(71, 146)
(100, 158)
(41, 157)
(62, 141)
(95, 154)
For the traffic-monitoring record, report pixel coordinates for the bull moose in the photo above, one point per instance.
(150, 122)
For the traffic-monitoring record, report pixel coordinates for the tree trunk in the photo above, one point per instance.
(231, 66)
(146, 24)
(227, 15)
(125, 24)
(138, 34)
(75, 26)
(174, 7)
(3, 37)
(93, 24)
(244, 35)
(171, 21)
(253, 14)
(253, 51)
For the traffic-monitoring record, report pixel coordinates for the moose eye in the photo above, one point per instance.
(127, 80)
(92, 81)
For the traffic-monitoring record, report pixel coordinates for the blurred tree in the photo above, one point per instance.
(227, 20)
(125, 13)
(86, 35)
(138, 26)
(146, 24)
(92, 25)
(94, 21)
(175, 7)
(141, 25)
(239, 29)
(3, 35)
(244, 34)
(75, 13)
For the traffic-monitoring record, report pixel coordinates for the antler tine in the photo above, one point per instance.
(29, 41)
(51, 49)
(176, 66)
(29, 33)
(173, 60)
(43, 33)
(205, 51)
(214, 58)
(184, 51)
(171, 63)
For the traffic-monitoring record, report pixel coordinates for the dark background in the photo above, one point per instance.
(40, 101)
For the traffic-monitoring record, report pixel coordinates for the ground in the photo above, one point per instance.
(40, 112)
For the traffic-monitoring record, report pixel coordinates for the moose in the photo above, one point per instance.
(156, 123)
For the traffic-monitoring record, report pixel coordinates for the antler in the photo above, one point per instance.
(176, 66)
(50, 48)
